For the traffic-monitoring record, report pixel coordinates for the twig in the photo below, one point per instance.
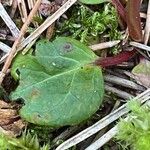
(14, 47)
(51, 19)
(3, 59)
(102, 123)
(140, 46)
(103, 140)
(28, 47)
(104, 45)
(13, 8)
(23, 10)
(5, 48)
(109, 135)
(118, 92)
(30, 4)
(147, 26)
(10, 24)
(123, 82)
(67, 133)
(103, 131)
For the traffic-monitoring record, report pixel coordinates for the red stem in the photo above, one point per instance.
(120, 9)
(133, 19)
(115, 60)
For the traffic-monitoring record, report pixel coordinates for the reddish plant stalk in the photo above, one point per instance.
(133, 20)
(115, 60)
(120, 9)
(123, 2)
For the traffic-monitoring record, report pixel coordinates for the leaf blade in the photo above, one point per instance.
(60, 95)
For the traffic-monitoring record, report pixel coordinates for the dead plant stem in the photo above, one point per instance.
(18, 40)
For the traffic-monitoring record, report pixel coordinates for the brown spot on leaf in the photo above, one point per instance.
(35, 93)
(67, 47)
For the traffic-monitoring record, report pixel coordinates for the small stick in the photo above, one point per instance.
(3, 59)
(104, 45)
(140, 46)
(13, 8)
(14, 47)
(143, 97)
(93, 129)
(123, 82)
(103, 140)
(30, 4)
(23, 10)
(28, 47)
(147, 26)
(10, 24)
(109, 135)
(118, 92)
(51, 19)
(67, 133)
(5, 48)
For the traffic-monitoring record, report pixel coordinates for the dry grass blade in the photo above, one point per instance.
(5, 48)
(140, 46)
(23, 10)
(119, 93)
(102, 123)
(3, 59)
(110, 134)
(18, 40)
(123, 82)
(49, 21)
(104, 45)
(103, 140)
(10, 24)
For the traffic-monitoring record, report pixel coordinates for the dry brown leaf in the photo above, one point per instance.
(141, 73)
(47, 8)
(10, 121)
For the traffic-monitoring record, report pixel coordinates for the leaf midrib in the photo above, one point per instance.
(48, 79)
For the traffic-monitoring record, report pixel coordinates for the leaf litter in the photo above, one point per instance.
(119, 63)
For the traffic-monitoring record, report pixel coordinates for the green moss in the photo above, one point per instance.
(135, 131)
(88, 26)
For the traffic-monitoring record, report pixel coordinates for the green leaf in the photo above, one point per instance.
(93, 1)
(59, 85)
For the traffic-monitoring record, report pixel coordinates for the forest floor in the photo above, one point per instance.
(68, 70)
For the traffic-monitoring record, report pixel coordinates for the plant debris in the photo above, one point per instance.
(75, 64)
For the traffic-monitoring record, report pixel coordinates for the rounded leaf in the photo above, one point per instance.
(59, 85)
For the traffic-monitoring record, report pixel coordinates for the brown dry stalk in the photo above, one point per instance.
(104, 45)
(18, 40)
(147, 26)
(49, 21)
(8, 21)
(133, 19)
(13, 8)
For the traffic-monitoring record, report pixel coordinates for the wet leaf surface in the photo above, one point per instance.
(59, 85)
